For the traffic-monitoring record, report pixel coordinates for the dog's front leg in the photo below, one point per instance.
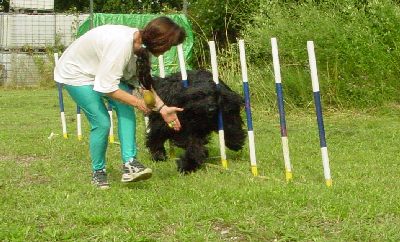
(194, 156)
(155, 143)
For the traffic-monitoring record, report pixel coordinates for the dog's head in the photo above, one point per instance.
(230, 104)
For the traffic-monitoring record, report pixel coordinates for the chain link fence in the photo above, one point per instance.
(28, 36)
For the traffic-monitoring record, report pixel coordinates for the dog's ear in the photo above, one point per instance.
(197, 96)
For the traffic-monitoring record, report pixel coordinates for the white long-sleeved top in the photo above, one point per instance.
(100, 57)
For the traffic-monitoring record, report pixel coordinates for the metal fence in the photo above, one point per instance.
(22, 69)
(24, 39)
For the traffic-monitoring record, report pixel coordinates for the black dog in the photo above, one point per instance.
(201, 102)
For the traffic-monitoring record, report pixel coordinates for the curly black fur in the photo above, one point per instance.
(201, 102)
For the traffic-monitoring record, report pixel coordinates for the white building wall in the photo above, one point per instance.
(23, 30)
(67, 26)
(38, 31)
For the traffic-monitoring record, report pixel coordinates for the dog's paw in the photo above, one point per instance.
(159, 156)
(186, 167)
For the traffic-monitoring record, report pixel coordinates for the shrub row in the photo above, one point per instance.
(356, 44)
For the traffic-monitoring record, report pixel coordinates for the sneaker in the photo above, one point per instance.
(133, 170)
(99, 178)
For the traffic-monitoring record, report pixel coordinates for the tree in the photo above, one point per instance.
(4, 5)
(77, 5)
(119, 6)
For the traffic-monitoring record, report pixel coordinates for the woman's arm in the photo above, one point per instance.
(129, 99)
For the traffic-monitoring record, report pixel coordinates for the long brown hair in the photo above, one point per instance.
(158, 36)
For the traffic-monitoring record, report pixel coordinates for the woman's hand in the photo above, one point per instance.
(141, 105)
(170, 117)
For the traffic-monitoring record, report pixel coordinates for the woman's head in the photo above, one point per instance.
(158, 36)
(161, 34)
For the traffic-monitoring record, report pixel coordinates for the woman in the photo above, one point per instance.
(102, 64)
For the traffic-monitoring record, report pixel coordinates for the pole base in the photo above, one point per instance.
(172, 154)
(254, 170)
(224, 164)
(328, 182)
(289, 176)
(111, 139)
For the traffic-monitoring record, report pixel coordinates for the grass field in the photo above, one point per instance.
(46, 193)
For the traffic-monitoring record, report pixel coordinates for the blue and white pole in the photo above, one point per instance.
(214, 67)
(281, 108)
(246, 91)
(318, 109)
(161, 68)
(78, 122)
(111, 138)
(182, 66)
(162, 75)
(61, 103)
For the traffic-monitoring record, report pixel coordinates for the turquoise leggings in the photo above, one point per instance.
(92, 103)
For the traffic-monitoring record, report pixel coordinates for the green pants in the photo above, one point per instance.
(92, 103)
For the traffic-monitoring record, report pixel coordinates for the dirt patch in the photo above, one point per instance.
(6, 158)
(26, 175)
(32, 179)
(24, 161)
(227, 232)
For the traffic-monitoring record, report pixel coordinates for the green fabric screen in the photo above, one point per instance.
(171, 61)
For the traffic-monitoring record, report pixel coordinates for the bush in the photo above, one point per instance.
(221, 21)
(356, 48)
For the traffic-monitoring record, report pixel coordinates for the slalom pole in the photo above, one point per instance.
(162, 75)
(214, 67)
(182, 66)
(318, 109)
(246, 91)
(161, 68)
(111, 138)
(281, 108)
(78, 122)
(146, 124)
(61, 103)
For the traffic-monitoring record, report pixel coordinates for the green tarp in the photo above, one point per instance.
(139, 21)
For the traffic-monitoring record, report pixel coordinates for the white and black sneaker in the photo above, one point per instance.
(133, 170)
(99, 179)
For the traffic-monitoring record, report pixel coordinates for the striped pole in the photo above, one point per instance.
(162, 75)
(214, 67)
(318, 109)
(161, 68)
(111, 138)
(182, 66)
(281, 108)
(61, 103)
(62, 113)
(246, 91)
(78, 122)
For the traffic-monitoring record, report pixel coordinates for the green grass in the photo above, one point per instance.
(46, 193)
